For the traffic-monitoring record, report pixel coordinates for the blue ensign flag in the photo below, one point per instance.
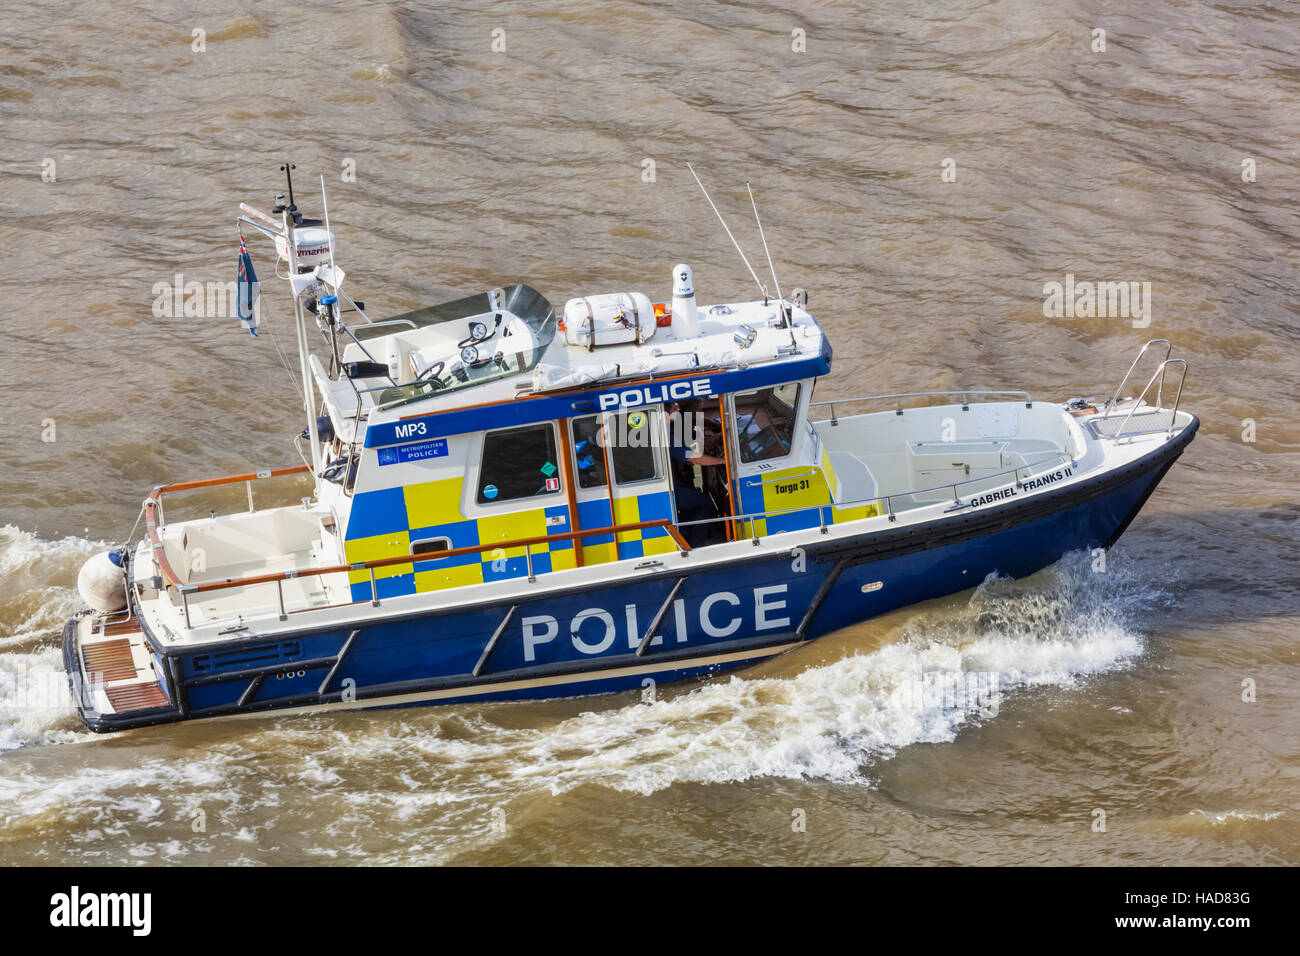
(246, 293)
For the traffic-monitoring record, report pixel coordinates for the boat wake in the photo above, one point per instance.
(35, 706)
(450, 775)
(952, 667)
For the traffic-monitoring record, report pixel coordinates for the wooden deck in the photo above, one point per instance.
(110, 661)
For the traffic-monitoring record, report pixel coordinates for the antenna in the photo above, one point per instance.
(729, 235)
(325, 204)
(331, 301)
(777, 282)
(287, 169)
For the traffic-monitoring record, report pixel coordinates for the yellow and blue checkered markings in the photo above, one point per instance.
(632, 509)
(498, 563)
(385, 523)
(795, 488)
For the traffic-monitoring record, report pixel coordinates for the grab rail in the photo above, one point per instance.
(154, 501)
(1114, 399)
(899, 396)
(1173, 416)
(153, 522)
(279, 577)
(400, 559)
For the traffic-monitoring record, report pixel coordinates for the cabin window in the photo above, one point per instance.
(765, 421)
(630, 445)
(518, 463)
(430, 545)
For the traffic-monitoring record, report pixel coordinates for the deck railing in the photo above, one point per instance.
(153, 510)
(1018, 475)
(1114, 399)
(1157, 377)
(898, 397)
(154, 521)
(1158, 381)
(886, 504)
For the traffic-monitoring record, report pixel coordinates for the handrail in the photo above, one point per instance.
(170, 574)
(153, 504)
(1160, 374)
(378, 563)
(370, 324)
(1062, 456)
(153, 507)
(159, 490)
(751, 483)
(1114, 399)
(899, 396)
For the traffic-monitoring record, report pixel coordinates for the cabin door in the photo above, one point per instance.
(630, 445)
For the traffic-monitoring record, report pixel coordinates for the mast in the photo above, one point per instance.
(290, 217)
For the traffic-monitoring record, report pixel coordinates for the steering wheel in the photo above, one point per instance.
(432, 372)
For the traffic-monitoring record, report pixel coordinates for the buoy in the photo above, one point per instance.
(102, 582)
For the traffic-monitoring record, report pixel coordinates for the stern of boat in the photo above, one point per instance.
(113, 674)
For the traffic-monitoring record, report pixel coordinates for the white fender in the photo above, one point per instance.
(102, 583)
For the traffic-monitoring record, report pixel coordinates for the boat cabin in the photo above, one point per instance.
(459, 428)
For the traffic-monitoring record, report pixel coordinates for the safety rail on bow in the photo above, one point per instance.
(1114, 399)
(1158, 376)
(1100, 425)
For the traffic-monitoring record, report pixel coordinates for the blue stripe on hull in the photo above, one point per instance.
(755, 604)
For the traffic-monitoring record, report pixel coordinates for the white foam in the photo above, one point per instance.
(443, 773)
(830, 722)
(950, 668)
(1238, 816)
(26, 555)
(37, 596)
(35, 702)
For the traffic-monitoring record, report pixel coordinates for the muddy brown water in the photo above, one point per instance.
(1120, 691)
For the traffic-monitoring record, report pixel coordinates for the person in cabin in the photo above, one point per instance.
(685, 451)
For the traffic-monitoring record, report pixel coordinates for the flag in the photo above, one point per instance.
(246, 292)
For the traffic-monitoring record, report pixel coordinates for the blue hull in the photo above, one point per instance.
(584, 642)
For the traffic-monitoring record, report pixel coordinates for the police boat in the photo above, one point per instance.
(500, 500)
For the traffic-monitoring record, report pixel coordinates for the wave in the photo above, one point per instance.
(454, 775)
(37, 596)
(951, 668)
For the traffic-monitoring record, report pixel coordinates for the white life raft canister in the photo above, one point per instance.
(617, 318)
(686, 315)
